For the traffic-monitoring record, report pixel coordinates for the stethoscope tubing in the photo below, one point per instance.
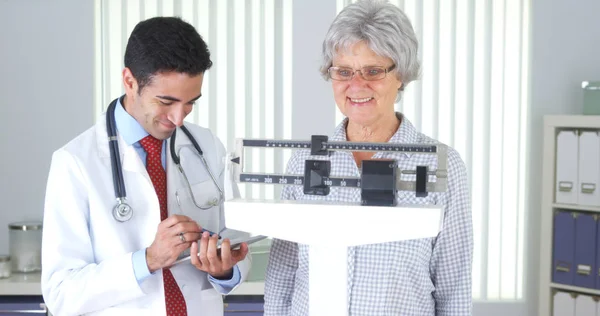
(113, 143)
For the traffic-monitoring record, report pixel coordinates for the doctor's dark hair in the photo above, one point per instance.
(165, 44)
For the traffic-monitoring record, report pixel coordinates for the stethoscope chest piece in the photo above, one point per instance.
(122, 212)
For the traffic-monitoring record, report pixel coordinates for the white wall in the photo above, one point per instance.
(46, 62)
(565, 50)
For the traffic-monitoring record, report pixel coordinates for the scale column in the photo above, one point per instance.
(328, 280)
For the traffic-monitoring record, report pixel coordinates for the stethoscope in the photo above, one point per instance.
(123, 212)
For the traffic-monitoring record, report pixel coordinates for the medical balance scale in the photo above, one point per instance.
(376, 219)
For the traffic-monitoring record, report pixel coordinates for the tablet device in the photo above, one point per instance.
(236, 239)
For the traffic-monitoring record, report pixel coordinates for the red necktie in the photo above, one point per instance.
(173, 298)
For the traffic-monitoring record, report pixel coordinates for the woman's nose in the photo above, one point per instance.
(357, 80)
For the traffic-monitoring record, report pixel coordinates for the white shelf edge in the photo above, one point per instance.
(577, 207)
(578, 289)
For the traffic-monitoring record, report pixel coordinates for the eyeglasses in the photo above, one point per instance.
(369, 73)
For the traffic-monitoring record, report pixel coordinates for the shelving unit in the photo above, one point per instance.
(553, 124)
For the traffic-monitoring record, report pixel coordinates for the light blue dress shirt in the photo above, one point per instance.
(132, 132)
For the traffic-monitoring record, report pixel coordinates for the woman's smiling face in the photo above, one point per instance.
(365, 102)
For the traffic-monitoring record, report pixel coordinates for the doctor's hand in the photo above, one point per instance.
(175, 234)
(217, 262)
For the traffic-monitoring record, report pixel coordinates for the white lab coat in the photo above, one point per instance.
(86, 254)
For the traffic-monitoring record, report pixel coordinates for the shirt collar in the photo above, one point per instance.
(406, 133)
(129, 128)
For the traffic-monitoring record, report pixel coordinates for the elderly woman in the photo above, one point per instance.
(370, 55)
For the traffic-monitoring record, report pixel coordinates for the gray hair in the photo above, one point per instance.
(385, 29)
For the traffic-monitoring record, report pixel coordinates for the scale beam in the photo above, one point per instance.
(317, 180)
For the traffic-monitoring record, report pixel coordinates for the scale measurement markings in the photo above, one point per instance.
(350, 146)
(297, 180)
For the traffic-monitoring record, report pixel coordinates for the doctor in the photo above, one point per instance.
(96, 262)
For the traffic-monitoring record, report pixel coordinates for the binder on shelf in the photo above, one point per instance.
(585, 250)
(597, 254)
(563, 254)
(567, 144)
(564, 304)
(589, 169)
(585, 305)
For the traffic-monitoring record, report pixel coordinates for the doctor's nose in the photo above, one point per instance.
(177, 116)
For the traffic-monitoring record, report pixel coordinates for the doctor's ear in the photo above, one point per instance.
(129, 82)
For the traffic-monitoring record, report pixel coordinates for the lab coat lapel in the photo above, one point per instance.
(173, 175)
(130, 159)
(102, 138)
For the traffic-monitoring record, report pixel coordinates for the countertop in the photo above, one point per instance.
(29, 284)
(21, 284)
